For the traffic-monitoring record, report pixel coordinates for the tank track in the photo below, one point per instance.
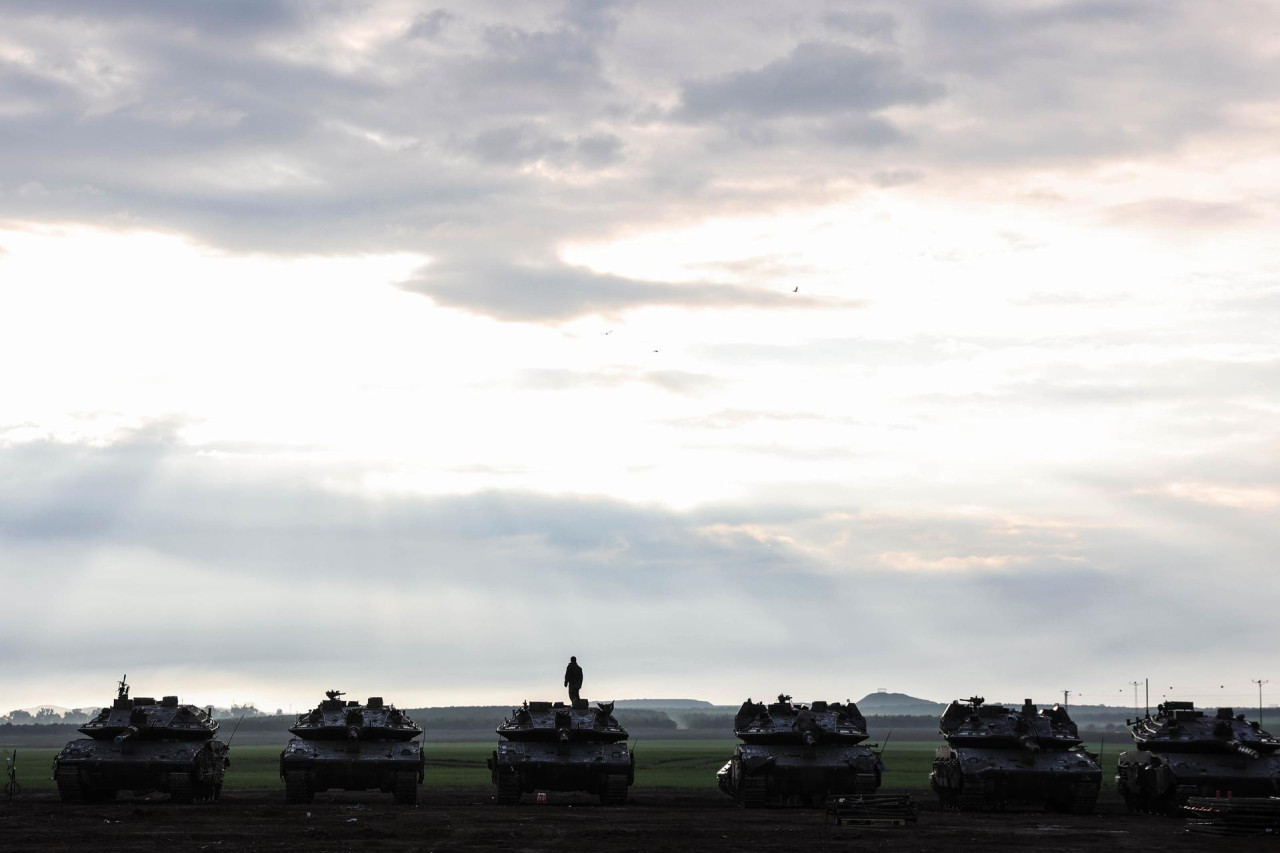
(297, 788)
(974, 796)
(1166, 803)
(614, 791)
(1083, 799)
(508, 788)
(181, 789)
(754, 793)
(69, 788)
(405, 788)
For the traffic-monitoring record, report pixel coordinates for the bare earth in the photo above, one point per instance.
(655, 820)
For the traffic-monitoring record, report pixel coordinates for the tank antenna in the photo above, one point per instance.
(887, 738)
(1147, 695)
(233, 731)
(1259, 682)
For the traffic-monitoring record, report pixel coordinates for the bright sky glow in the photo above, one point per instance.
(452, 328)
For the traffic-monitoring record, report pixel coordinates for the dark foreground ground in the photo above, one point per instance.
(655, 820)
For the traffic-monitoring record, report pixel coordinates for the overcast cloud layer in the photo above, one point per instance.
(812, 347)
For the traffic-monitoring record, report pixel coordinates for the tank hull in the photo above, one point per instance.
(1161, 782)
(761, 775)
(522, 767)
(310, 766)
(976, 779)
(186, 770)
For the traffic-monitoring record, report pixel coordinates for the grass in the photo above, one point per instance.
(659, 764)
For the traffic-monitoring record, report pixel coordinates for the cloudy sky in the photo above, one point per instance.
(734, 347)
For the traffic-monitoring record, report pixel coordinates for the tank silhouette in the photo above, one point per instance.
(795, 754)
(996, 755)
(1185, 753)
(352, 747)
(550, 746)
(143, 745)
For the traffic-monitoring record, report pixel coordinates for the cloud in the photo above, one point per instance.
(429, 25)
(230, 16)
(556, 292)
(815, 79)
(880, 26)
(522, 144)
(1182, 214)
(240, 567)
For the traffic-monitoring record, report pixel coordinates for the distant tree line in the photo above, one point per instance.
(46, 717)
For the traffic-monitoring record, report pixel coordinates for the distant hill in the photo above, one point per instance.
(682, 704)
(898, 704)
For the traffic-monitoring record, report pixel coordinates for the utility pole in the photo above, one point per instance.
(1259, 682)
(1135, 698)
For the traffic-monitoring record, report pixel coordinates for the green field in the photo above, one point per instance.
(659, 764)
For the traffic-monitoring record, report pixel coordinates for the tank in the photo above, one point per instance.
(548, 746)
(142, 745)
(1186, 753)
(997, 756)
(352, 747)
(795, 754)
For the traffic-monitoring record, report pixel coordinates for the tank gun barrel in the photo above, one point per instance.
(353, 732)
(1029, 743)
(129, 732)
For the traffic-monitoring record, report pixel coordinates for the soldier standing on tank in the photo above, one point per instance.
(573, 679)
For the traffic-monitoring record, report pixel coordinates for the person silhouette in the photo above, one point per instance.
(573, 679)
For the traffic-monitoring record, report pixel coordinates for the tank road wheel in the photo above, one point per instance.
(296, 787)
(754, 792)
(69, 788)
(614, 791)
(508, 788)
(405, 787)
(181, 789)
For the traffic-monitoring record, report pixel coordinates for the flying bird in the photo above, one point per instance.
(797, 290)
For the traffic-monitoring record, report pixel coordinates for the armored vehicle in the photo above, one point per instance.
(143, 745)
(353, 747)
(794, 754)
(1185, 753)
(996, 756)
(549, 746)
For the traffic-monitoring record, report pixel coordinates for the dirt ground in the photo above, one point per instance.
(467, 819)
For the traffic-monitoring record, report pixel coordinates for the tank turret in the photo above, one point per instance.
(996, 755)
(139, 744)
(792, 753)
(353, 747)
(1183, 752)
(551, 746)
(334, 719)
